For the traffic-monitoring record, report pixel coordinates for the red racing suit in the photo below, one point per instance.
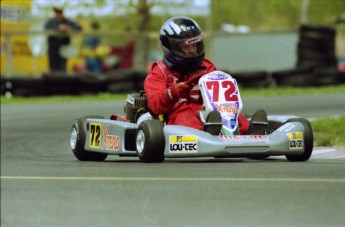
(182, 112)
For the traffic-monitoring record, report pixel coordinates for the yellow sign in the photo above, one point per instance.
(17, 57)
(15, 15)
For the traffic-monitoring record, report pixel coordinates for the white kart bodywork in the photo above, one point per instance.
(292, 136)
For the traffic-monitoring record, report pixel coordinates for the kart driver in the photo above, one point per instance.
(170, 84)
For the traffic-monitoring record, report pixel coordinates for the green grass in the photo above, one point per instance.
(283, 91)
(329, 132)
(62, 98)
(274, 91)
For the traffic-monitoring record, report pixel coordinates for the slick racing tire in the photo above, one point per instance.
(150, 141)
(308, 139)
(78, 136)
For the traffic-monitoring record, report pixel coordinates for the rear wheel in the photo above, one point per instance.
(308, 140)
(77, 141)
(150, 141)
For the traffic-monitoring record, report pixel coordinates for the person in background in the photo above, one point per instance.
(63, 27)
(93, 51)
(170, 84)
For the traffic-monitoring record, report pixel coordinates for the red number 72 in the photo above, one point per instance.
(229, 93)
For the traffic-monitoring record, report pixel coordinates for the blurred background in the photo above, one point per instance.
(259, 42)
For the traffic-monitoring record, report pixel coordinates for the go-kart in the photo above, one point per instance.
(139, 134)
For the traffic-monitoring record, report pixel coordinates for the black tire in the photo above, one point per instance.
(316, 46)
(3, 84)
(121, 87)
(90, 83)
(341, 77)
(317, 57)
(308, 139)
(258, 79)
(327, 49)
(326, 76)
(139, 77)
(59, 84)
(78, 136)
(312, 63)
(293, 78)
(317, 31)
(23, 86)
(150, 141)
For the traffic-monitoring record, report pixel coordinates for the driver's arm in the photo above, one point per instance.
(155, 87)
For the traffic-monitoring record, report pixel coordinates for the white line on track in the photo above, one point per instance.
(323, 150)
(305, 180)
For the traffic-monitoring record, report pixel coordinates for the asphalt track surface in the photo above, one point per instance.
(42, 184)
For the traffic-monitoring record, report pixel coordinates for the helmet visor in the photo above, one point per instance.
(188, 47)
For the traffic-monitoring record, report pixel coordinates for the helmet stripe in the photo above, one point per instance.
(175, 28)
(168, 30)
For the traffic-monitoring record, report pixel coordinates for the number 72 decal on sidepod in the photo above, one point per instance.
(100, 139)
(95, 135)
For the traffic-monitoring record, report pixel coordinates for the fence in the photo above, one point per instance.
(304, 58)
(24, 53)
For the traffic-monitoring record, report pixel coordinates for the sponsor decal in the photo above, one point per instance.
(262, 138)
(227, 107)
(100, 139)
(95, 135)
(183, 144)
(217, 77)
(193, 40)
(187, 28)
(295, 140)
(110, 142)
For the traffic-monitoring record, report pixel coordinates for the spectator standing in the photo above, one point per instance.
(62, 26)
(93, 50)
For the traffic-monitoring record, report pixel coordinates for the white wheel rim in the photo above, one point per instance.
(140, 141)
(74, 136)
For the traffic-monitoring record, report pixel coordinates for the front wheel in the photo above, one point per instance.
(308, 140)
(77, 141)
(150, 141)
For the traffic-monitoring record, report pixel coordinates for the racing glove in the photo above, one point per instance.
(178, 91)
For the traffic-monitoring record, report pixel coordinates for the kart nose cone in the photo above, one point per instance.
(140, 141)
(73, 140)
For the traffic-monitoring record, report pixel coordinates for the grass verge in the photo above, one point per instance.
(287, 91)
(273, 91)
(62, 98)
(329, 132)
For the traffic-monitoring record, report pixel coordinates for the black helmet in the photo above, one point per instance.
(178, 33)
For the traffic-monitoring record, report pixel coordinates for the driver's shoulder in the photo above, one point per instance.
(207, 63)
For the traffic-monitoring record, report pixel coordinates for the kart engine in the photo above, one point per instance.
(136, 106)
